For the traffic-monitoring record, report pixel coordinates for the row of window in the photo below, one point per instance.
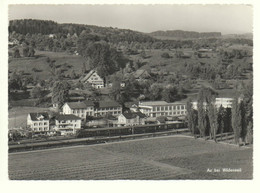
(82, 111)
(169, 113)
(68, 121)
(169, 108)
(68, 127)
(40, 124)
(113, 113)
(109, 109)
(41, 129)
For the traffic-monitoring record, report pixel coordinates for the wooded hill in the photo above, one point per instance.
(185, 34)
(44, 27)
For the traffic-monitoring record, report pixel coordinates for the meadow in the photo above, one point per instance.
(161, 158)
(39, 62)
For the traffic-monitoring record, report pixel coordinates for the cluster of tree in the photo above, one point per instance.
(27, 51)
(234, 53)
(202, 70)
(208, 120)
(60, 92)
(99, 54)
(170, 93)
(165, 55)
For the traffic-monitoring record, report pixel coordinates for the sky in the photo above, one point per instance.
(145, 18)
(226, 19)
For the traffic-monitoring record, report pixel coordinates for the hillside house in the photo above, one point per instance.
(79, 109)
(162, 108)
(131, 118)
(141, 75)
(93, 79)
(67, 124)
(38, 122)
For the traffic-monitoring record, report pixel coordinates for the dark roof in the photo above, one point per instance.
(131, 115)
(102, 104)
(140, 72)
(67, 117)
(161, 119)
(80, 105)
(36, 116)
(86, 77)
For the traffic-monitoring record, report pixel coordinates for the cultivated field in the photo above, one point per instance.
(173, 157)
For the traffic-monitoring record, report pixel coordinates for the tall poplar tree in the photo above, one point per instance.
(236, 120)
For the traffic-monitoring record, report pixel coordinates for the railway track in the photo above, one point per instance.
(91, 140)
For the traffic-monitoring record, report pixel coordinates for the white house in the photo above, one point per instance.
(131, 118)
(89, 108)
(38, 122)
(79, 109)
(67, 124)
(94, 79)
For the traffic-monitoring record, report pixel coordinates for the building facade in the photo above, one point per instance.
(162, 108)
(67, 124)
(38, 122)
(79, 109)
(108, 107)
(93, 79)
(94, 109)
(131, 119)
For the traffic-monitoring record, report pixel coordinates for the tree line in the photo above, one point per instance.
(207, 120)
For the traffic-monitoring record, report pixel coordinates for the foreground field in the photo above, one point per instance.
(174, 157)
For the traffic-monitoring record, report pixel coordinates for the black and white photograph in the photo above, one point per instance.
(145, 92)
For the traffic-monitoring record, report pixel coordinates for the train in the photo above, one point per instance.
(129, 130)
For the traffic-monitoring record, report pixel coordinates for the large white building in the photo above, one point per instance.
(89, 108)
(38, 122)
(162, 108)
(93, 79)
(79, 109)
(225, 102)
(103, 108)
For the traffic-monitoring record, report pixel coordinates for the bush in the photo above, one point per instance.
(165, 55)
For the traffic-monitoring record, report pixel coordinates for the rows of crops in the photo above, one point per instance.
(172, 157)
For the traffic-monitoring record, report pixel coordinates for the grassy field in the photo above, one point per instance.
(40, 63)
(17, 116)
(174, 157)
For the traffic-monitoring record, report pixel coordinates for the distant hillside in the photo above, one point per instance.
(245, 36)
(44, 27)
(184, 34)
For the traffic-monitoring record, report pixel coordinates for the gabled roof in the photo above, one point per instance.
(161, 119)
(140, 72)
(67, 117)
(39, 116)
(131, 115)
(85, 78)
(80, 105)
(102, 104)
